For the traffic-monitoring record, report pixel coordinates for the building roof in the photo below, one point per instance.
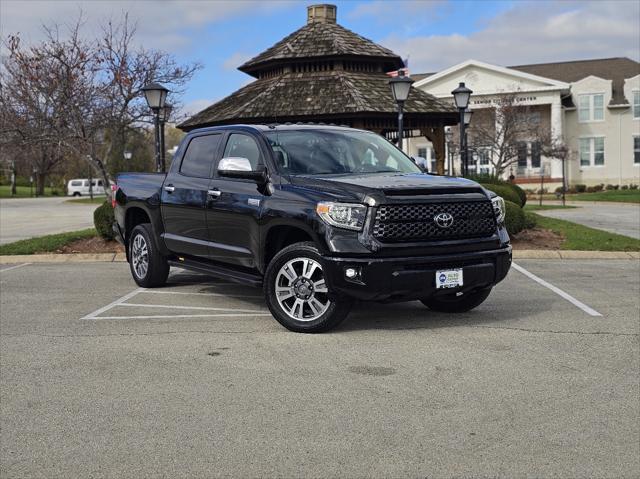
(615, 69)
(321, 39)
(318, 95)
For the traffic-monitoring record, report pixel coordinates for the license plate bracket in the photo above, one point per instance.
(449, 278)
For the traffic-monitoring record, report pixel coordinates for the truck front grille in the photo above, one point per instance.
(397, 223)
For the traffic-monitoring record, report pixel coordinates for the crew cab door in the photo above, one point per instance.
(184, 196)
(234, 206)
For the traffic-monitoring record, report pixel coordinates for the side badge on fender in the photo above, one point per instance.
(253, 202)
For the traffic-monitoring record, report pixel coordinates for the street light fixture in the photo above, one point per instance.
(467, 120)
(461, 96)
(400, 87)
(156, 96)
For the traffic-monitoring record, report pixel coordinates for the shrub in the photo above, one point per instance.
(529, 220)
(514, 218)
(520, 192)
(103, 220)
(633, 187)
(591, 189)
(581, 188)
(624, 187)
(488, 179)
(599, 187)
(505, 191)
(608, 187)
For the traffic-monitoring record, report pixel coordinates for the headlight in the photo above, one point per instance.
(498, 208)
(342, 215)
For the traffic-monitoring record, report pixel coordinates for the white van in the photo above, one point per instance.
(80, 187)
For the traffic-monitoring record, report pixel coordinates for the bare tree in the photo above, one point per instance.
(126, 69)
(503, 132)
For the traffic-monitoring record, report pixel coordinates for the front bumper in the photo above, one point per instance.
(410, 278)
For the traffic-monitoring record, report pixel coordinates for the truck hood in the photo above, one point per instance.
(387, 184)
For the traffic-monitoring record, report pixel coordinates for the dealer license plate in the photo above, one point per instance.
(449, 278)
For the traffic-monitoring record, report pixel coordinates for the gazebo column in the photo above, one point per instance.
(436, 136)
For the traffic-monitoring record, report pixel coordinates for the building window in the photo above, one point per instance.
(482, 157)
(535, 154)
(636, 105)
(636, 150)
(522, 156)
(591, 107)
(592, 151)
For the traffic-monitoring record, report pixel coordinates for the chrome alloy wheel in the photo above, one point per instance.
(301, 290)
(140, 256)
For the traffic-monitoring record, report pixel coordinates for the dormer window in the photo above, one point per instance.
(591, 107)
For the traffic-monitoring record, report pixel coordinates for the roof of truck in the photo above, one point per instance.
(275, 126)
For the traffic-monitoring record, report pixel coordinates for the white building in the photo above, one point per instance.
(593, 106)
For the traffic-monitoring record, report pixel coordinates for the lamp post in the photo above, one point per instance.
(467, 120)
(448, 135)
(461, 96)
(165, 113)
(400, 87)
(156, 95)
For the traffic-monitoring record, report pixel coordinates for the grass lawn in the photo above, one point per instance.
(97, 200)
(537, 207)
(24, 191)
(623, 196)
(45, 244)
(583, 238)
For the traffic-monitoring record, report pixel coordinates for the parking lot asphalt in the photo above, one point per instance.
(22, 218)
(620, 218)
(99, 378)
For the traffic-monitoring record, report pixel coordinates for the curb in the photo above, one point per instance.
(120, 257)
(64, 258)
(568, 254)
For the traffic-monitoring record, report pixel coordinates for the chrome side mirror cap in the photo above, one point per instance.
(234, 163)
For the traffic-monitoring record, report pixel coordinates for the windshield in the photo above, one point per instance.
(330, 152)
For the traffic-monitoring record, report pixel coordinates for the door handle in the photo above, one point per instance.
(169, 188)
(214, 193)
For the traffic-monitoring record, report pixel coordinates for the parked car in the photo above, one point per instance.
(319, 216)
(80, 187)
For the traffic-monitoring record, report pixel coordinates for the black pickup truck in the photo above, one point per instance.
(319, 216)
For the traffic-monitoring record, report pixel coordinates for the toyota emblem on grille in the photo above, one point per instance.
(443, 220)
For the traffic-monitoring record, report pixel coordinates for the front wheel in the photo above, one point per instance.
(452, 303)
(297, 294)
(148, 267)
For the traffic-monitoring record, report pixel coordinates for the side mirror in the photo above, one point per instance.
(236, 167)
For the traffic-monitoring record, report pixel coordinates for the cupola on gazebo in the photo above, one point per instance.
(326, 73)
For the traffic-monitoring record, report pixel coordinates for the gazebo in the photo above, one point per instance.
(326, 73)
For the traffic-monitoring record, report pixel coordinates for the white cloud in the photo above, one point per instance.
(196, 106)
(533, 32)
(237, 59)
(166, 25)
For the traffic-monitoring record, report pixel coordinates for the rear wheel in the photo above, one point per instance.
(297, 294)
(77, 194)
(452, 303)
(148, 267)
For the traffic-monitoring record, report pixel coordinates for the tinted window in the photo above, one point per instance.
(322, 152)
(243, 146)
(76, 183)
(199, 156)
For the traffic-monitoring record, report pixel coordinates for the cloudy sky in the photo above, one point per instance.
(432, 34)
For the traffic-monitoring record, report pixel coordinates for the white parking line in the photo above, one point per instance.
(14, 267)
(111, 305)
(171, 316)
(203, 294)
(199, 308)
(590, 311)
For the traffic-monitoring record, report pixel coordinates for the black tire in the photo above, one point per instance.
(457, 304)
(336, 310)
(157, 268)
(76, 194)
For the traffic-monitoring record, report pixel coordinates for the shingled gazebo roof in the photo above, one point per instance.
(318, 39)
(324, 72)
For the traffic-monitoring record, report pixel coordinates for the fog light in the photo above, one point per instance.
(351, 273)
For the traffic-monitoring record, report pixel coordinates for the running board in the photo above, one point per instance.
(219, 272)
